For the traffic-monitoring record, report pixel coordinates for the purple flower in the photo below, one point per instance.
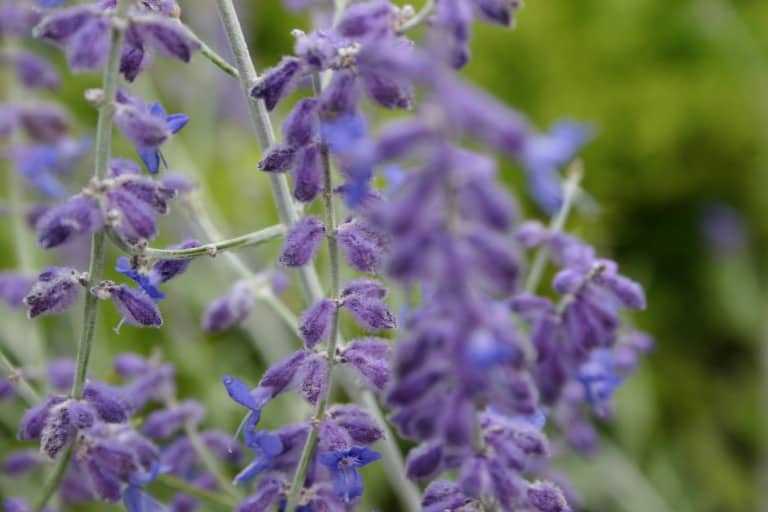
(371, 358)
(277, 82)
(230, 309)
(84, 32)
(77, 216)
(343, 464)
(20, 462)
(279, 158)
(56, 290)
(307, 174)
(42, 165)
(371, 314)
(315, 324)
(34, 71)
(265, 446)
(61, 373)
(164, 423)
(545, 497)
(136, 307)
(147, 127)
(253, 400)
(302, 242)
(300, 126)
(14, 287)
(364, 247)
(145, 282)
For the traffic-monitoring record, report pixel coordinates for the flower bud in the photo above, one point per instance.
(56, 290)
(302, 242)
(277, 82)
(315, 324)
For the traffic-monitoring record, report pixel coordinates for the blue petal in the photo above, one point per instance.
(176, 122)
(363, 455)
(258, 465)
(343, 133)
(241, 393)
(270, 443)
(330, 459)
(150, 157)
(157, 110)
(348, 484)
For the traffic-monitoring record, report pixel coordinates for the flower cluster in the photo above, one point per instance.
(113, 456)
(486, 369)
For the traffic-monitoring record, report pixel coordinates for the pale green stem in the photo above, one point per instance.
(419, 18)
(96, 267)
(570, 192)
(214, 248)
(217, 59)
(264, 133)
(16, 377)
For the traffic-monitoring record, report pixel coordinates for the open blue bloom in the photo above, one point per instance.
(343, 464)
(265, 446)
(599, 377)
(147, 282)
(253, 400)
(151, 155)
(136, 500)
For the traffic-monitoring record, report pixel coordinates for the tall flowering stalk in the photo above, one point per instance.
(98, 240)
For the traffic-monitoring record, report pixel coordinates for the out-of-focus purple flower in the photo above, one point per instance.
(347, 482)
(84, 30)
(34, 71)
(77, 216)
(163, 424)
(7, 390)
(55, 290)
(61, 373)
(364, 247)
(42, 165)
(147, 127)
(724, 229)
(20, 462)
(14, 287)
(230, 309)
(302, 242)
(545, 497)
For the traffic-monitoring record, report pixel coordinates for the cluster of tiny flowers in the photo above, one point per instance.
(484, 369)
(117, 446)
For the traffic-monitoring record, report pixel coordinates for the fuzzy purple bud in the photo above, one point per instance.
(56, 290)
(315, 324)
(302, 242)
(424, 461)
(300, 126)
(308, 174)
(363, 247)
(136, 307)
(371, 314)
(78, 216)
(370, 357)
(545, 497)
(278, 158)
(230, 309)
(277, 81)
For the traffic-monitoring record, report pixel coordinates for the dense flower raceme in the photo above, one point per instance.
(113, 457)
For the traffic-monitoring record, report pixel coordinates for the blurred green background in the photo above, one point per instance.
(678, 94)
